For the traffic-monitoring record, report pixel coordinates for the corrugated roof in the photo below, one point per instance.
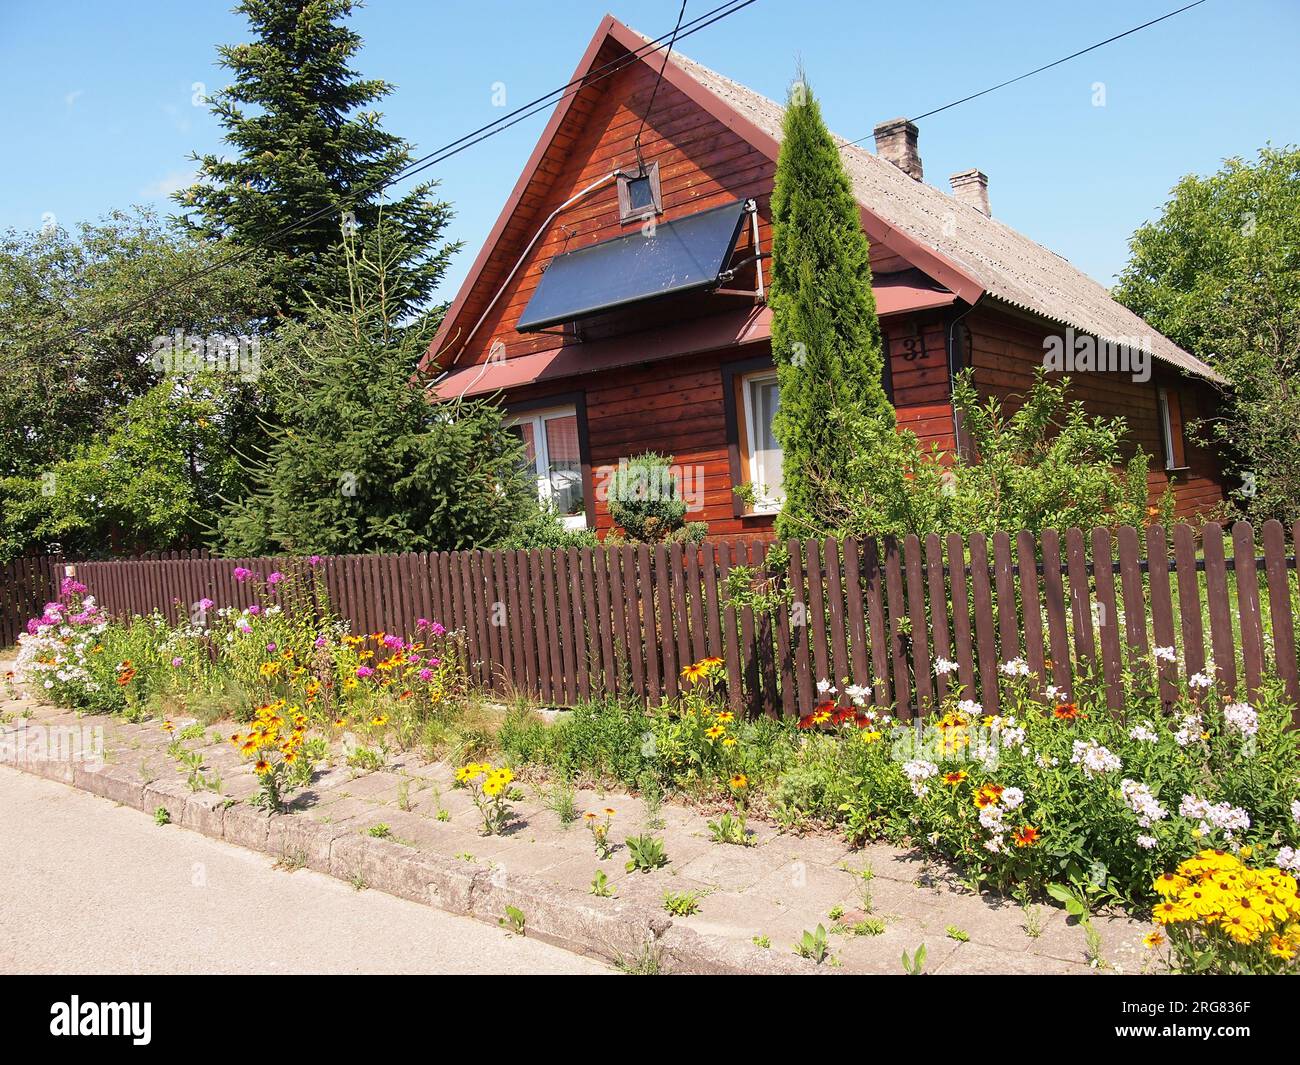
(1010, 267)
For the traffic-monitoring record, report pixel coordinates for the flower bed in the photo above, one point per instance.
(1054, 793)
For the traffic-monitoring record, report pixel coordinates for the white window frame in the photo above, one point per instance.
(542, 460)
(762, 504)
(1167, 429)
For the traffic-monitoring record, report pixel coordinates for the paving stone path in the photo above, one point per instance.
(773, 890)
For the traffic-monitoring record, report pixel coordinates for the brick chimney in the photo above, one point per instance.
(896, 141)
(971, 187)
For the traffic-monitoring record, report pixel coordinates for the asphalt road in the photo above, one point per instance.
(91, 887)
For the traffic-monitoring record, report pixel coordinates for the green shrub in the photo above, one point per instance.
(645, 500)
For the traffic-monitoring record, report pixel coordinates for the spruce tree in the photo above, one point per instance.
(307, 143)
(362, 462)
(825, 334)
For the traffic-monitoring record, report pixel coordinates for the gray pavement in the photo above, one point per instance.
(91, 887)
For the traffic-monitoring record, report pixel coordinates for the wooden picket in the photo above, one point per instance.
(562, 626)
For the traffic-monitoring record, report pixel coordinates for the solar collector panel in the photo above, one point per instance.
(679, 256)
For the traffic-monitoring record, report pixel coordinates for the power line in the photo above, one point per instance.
(417, 166)
(1045, 66)
(636, 142)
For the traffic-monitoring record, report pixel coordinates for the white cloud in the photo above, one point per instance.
(171, 182)
(70, 98)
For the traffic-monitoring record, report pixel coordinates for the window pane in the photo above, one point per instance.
(640, 196)
(765, 397)
(564, 464)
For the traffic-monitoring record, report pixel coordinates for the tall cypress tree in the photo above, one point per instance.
(305, 142)
(825, 334)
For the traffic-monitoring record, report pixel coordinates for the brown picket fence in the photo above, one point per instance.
(26, 585)
(565, 625)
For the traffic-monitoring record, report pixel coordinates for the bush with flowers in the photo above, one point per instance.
(1223, 915)
(489, 788)
(1053, 788)
(283, 649)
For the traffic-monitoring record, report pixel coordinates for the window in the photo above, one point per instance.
(1171, 429)
(639, 195)
(551, 440)
(761, 396)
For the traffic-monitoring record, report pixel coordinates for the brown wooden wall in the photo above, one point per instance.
(1005, 350)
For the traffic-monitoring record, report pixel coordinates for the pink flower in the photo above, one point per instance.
(321, 642)
(426, 674)
(364, 671)
(245, 628)
(254, 610)
(393, 642)
(270, 647)
(206, 604)
(72, 586)
(436, 629)
(274, 578)
(178, 661)
(315, 560)
(242, 574)
(421, 623)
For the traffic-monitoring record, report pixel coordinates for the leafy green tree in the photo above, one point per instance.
(71, 358)
(1219, 273)
(147, 483)
(825, 334)
(361, 461)
(309, 145)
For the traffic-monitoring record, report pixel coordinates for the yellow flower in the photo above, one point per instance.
(715, 732)
(1281, 947)
(729, 741)
(492, 786)
(167, 726)
(1169, 884)
(726, 716)
(871, 736)
(1168, 912)
(1153, 939)
(262, 767)
(739, 781)
(694, 673)
(379, 720)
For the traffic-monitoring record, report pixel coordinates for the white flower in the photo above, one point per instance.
(1055, 694)
(994, 845)
(858, 693)
(1012, 797)
(1142, 802)
(1143, 732)
(1295, 811)
(1242, 717)
(1164, 654)
(970, 707)
(1146, 842)
(1015, 667)
(944, 666)
(824, 687)
(1199, 680)
(1094, 758)
(1046, 763)
(1189, 732)
(919, 769)
(1222, 815)
(1288, 859)
(1013, 737)
(991, 819)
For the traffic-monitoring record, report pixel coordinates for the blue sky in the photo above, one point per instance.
(99, 110)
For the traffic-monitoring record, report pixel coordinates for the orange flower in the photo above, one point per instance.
(988, 795)
(953, 779)
(1025, 836)
(1066, 712)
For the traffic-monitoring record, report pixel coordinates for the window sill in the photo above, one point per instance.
(574, 522)
(1177, 469)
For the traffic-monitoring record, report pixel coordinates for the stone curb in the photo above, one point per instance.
(613, 930)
